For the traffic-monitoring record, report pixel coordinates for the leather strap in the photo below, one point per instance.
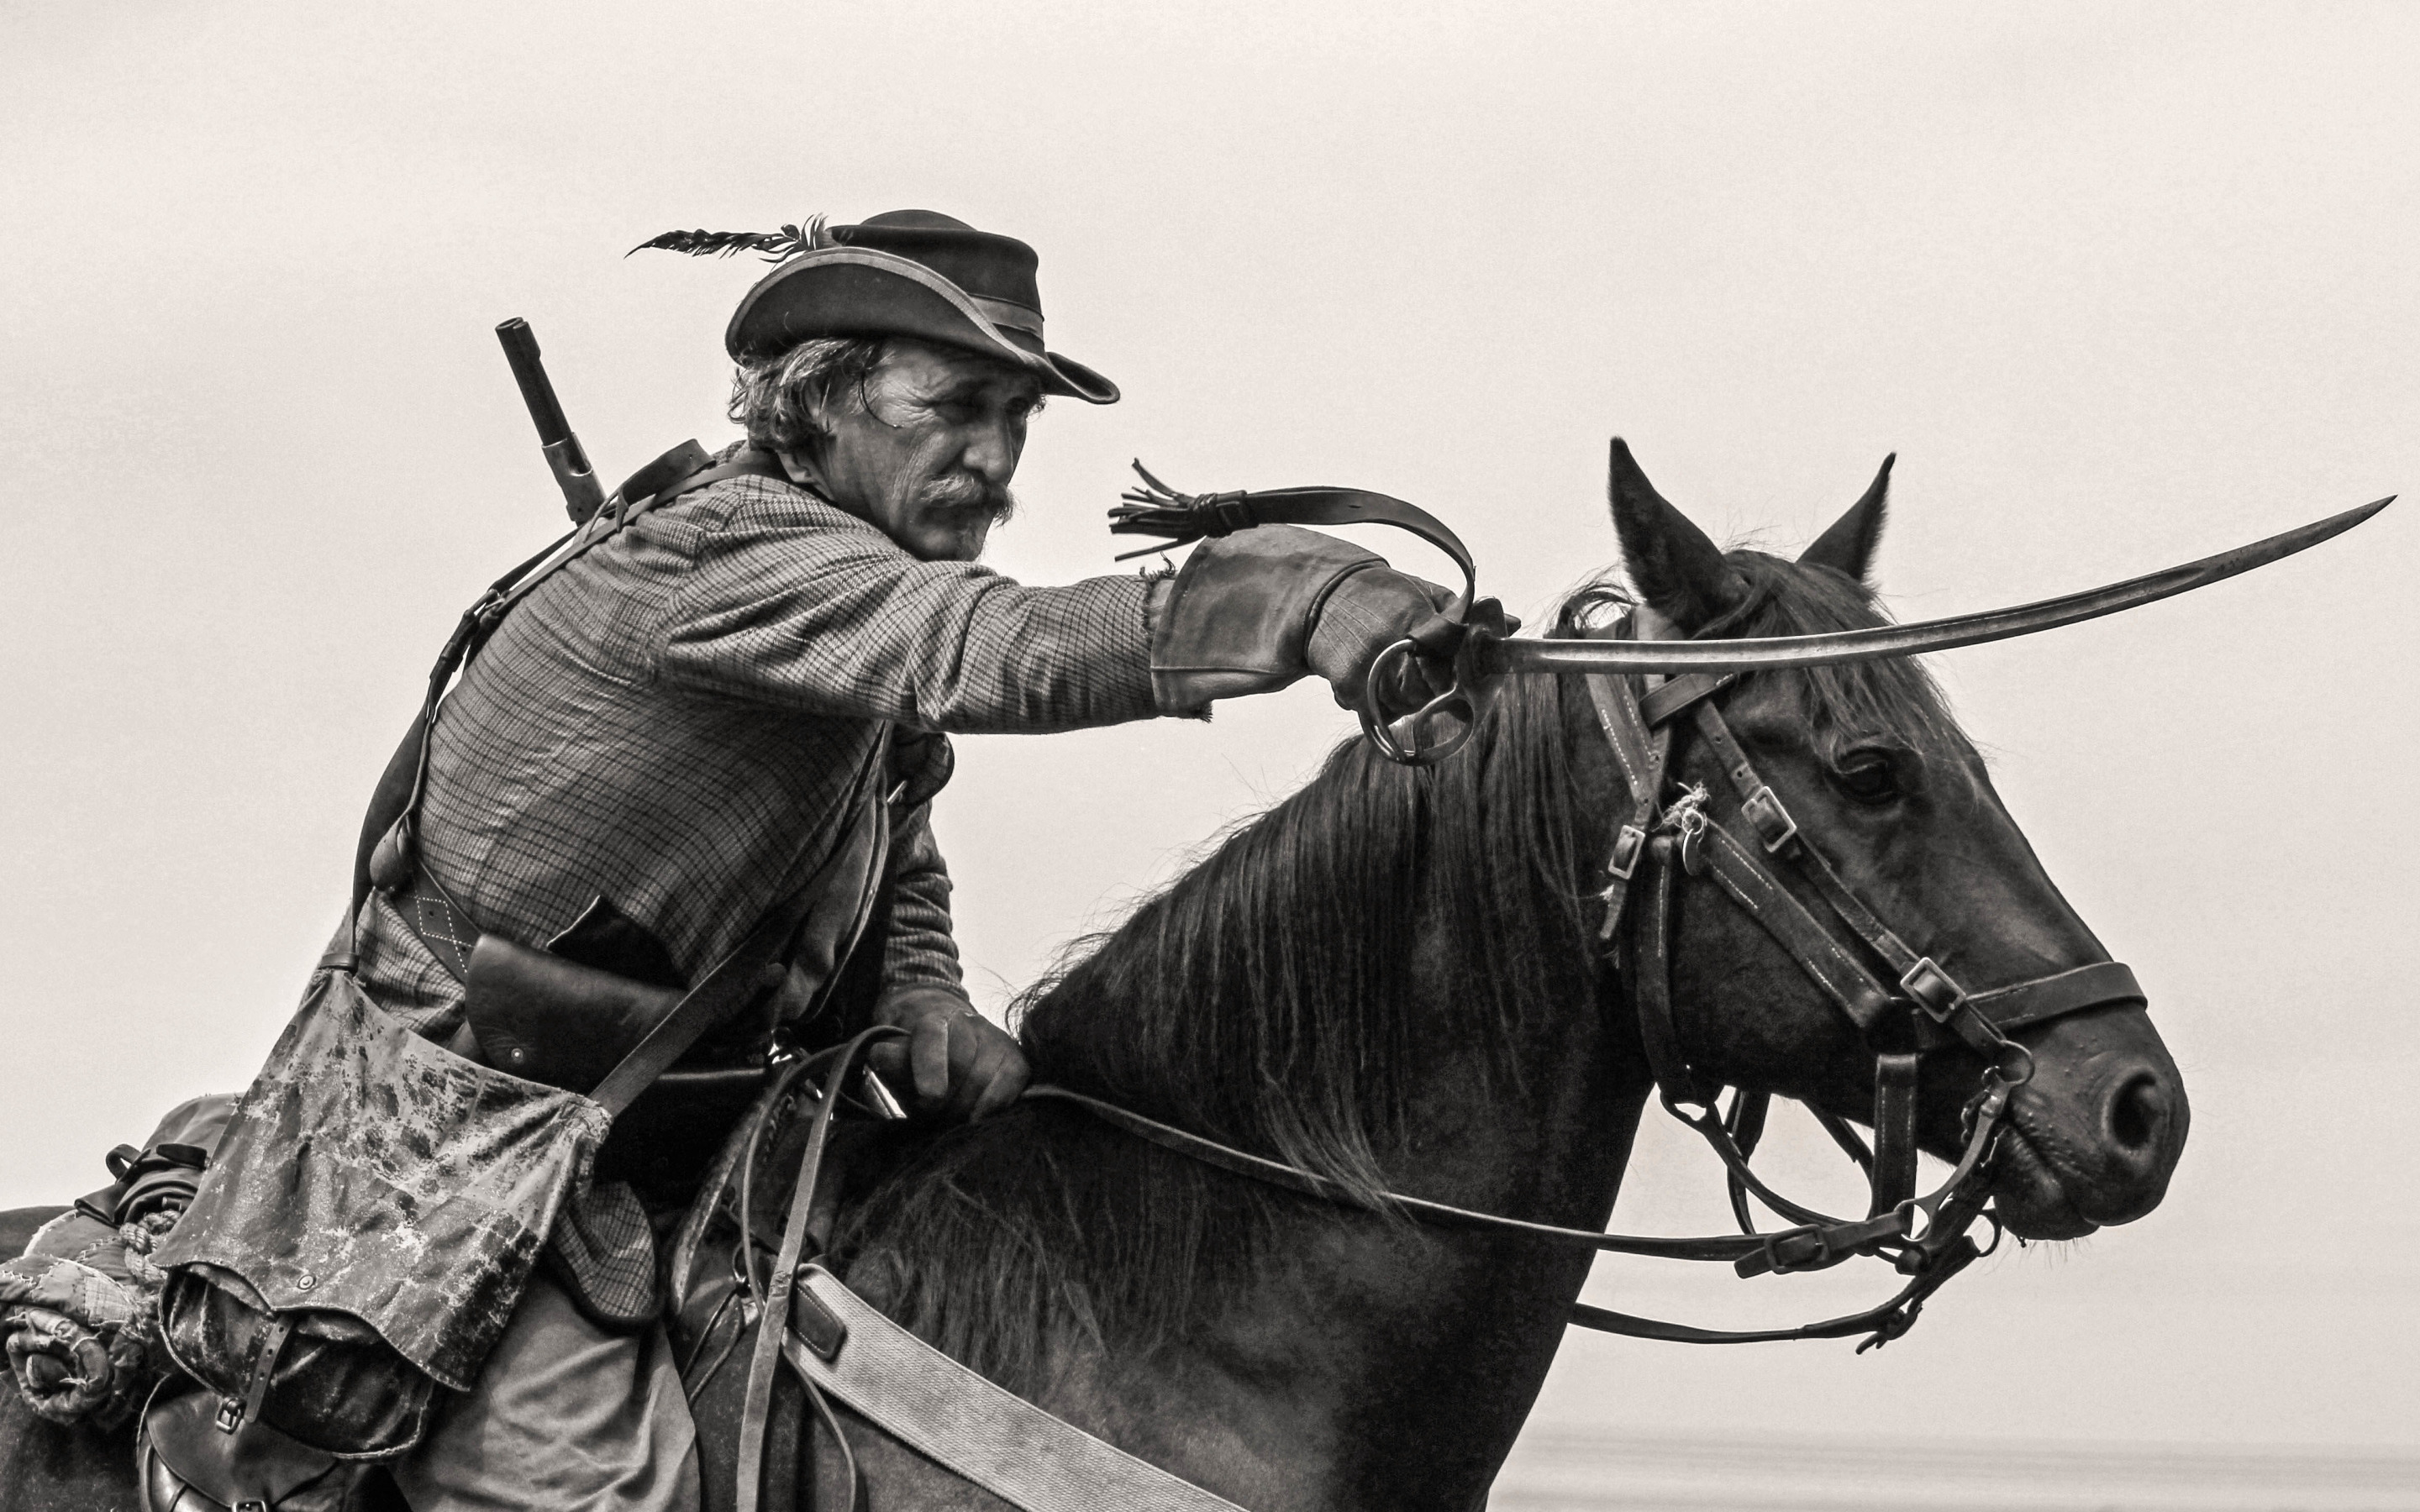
(1884, 1322)
(2048, 997)
(1652, 986)
(1862, 995)
(1182, 519)
(388, 824)
(718, 995)
(1677, 695)
(953, 1416)
(773, 1327)
(1642, 756)
(1746, 1121)
(1276, 1173)
(1894, 1159)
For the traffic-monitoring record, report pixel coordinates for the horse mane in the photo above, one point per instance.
(1264, 998)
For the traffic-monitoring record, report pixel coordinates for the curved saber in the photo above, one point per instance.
(1496, 655)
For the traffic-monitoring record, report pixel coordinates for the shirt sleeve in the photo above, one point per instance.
(806, 607)
(919, 949)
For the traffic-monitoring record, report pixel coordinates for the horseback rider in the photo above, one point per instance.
(659, 755)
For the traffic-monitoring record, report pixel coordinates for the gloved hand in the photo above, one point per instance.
(954, 1064)
(1256, 611)
(1366, 612)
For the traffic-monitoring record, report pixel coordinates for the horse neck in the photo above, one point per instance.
(1386, 955)
(1386, 979)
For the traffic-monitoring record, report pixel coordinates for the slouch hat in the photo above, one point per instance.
(907, 274)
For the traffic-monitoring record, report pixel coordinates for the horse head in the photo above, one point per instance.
(1887, 794)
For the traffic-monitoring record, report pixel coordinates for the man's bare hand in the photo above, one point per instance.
(955, 1063)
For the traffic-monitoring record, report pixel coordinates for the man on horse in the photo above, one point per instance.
(669, 750)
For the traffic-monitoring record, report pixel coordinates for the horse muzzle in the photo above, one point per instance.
(2096, 1132)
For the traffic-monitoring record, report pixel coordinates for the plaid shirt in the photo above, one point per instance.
(673, 720)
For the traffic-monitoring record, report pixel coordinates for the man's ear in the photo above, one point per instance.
(1677, 570)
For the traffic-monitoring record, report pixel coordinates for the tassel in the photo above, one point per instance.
(1154, 508)
(776, 246)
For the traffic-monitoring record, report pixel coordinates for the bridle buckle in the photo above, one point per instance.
(1763, 811)
(1933, 990)
(1628, 847)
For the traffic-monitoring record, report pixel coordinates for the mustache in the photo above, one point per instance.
(967, 492)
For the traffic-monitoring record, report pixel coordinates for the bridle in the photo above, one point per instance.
(1905, 1005)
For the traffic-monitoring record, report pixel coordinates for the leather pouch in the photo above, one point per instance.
(187, 1464)
(334, 1388)
(546, 1019)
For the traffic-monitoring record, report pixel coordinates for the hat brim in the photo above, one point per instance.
(858, 291)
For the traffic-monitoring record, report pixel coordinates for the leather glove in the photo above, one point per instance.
(956, 1064)
(1366, 612)
(1253, 611)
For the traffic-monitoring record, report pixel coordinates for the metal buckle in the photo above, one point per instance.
(229, 1416)
(1763, 808)
(1933, 990)
(1628, 847)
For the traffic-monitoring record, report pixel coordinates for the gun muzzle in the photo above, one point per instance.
(581, 495)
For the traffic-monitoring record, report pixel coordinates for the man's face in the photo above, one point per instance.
(924, 448)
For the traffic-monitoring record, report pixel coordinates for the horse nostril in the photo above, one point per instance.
(2136, 1112)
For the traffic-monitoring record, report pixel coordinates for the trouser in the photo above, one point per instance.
(565, 1414)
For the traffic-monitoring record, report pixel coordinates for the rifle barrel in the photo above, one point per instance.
(582, 494)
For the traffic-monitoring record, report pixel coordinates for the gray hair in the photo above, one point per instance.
(772, 398)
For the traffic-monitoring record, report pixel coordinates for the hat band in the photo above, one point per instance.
(1009, 316)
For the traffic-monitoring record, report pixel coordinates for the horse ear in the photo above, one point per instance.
(1676, 568)
(1848, 547)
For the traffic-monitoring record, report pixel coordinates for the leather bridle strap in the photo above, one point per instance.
(1728, 1247)
(1860, 995)
(1892, 1176)
(1641, 755)
(2054, 997)
(1886, 1322)
(781, 1287)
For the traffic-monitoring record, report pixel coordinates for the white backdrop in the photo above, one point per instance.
(2122, 286)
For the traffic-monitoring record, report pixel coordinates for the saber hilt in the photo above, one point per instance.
(581, 495)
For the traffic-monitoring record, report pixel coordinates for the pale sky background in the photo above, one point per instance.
(2123, 285)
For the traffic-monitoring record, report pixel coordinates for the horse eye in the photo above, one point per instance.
(1867, 777)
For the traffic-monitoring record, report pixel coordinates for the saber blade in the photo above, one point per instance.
(1674, 657)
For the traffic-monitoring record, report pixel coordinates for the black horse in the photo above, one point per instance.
(1395, 980)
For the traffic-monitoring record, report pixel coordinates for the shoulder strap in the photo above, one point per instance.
(383, 854)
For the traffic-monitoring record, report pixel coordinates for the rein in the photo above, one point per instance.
(1908, 1007)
